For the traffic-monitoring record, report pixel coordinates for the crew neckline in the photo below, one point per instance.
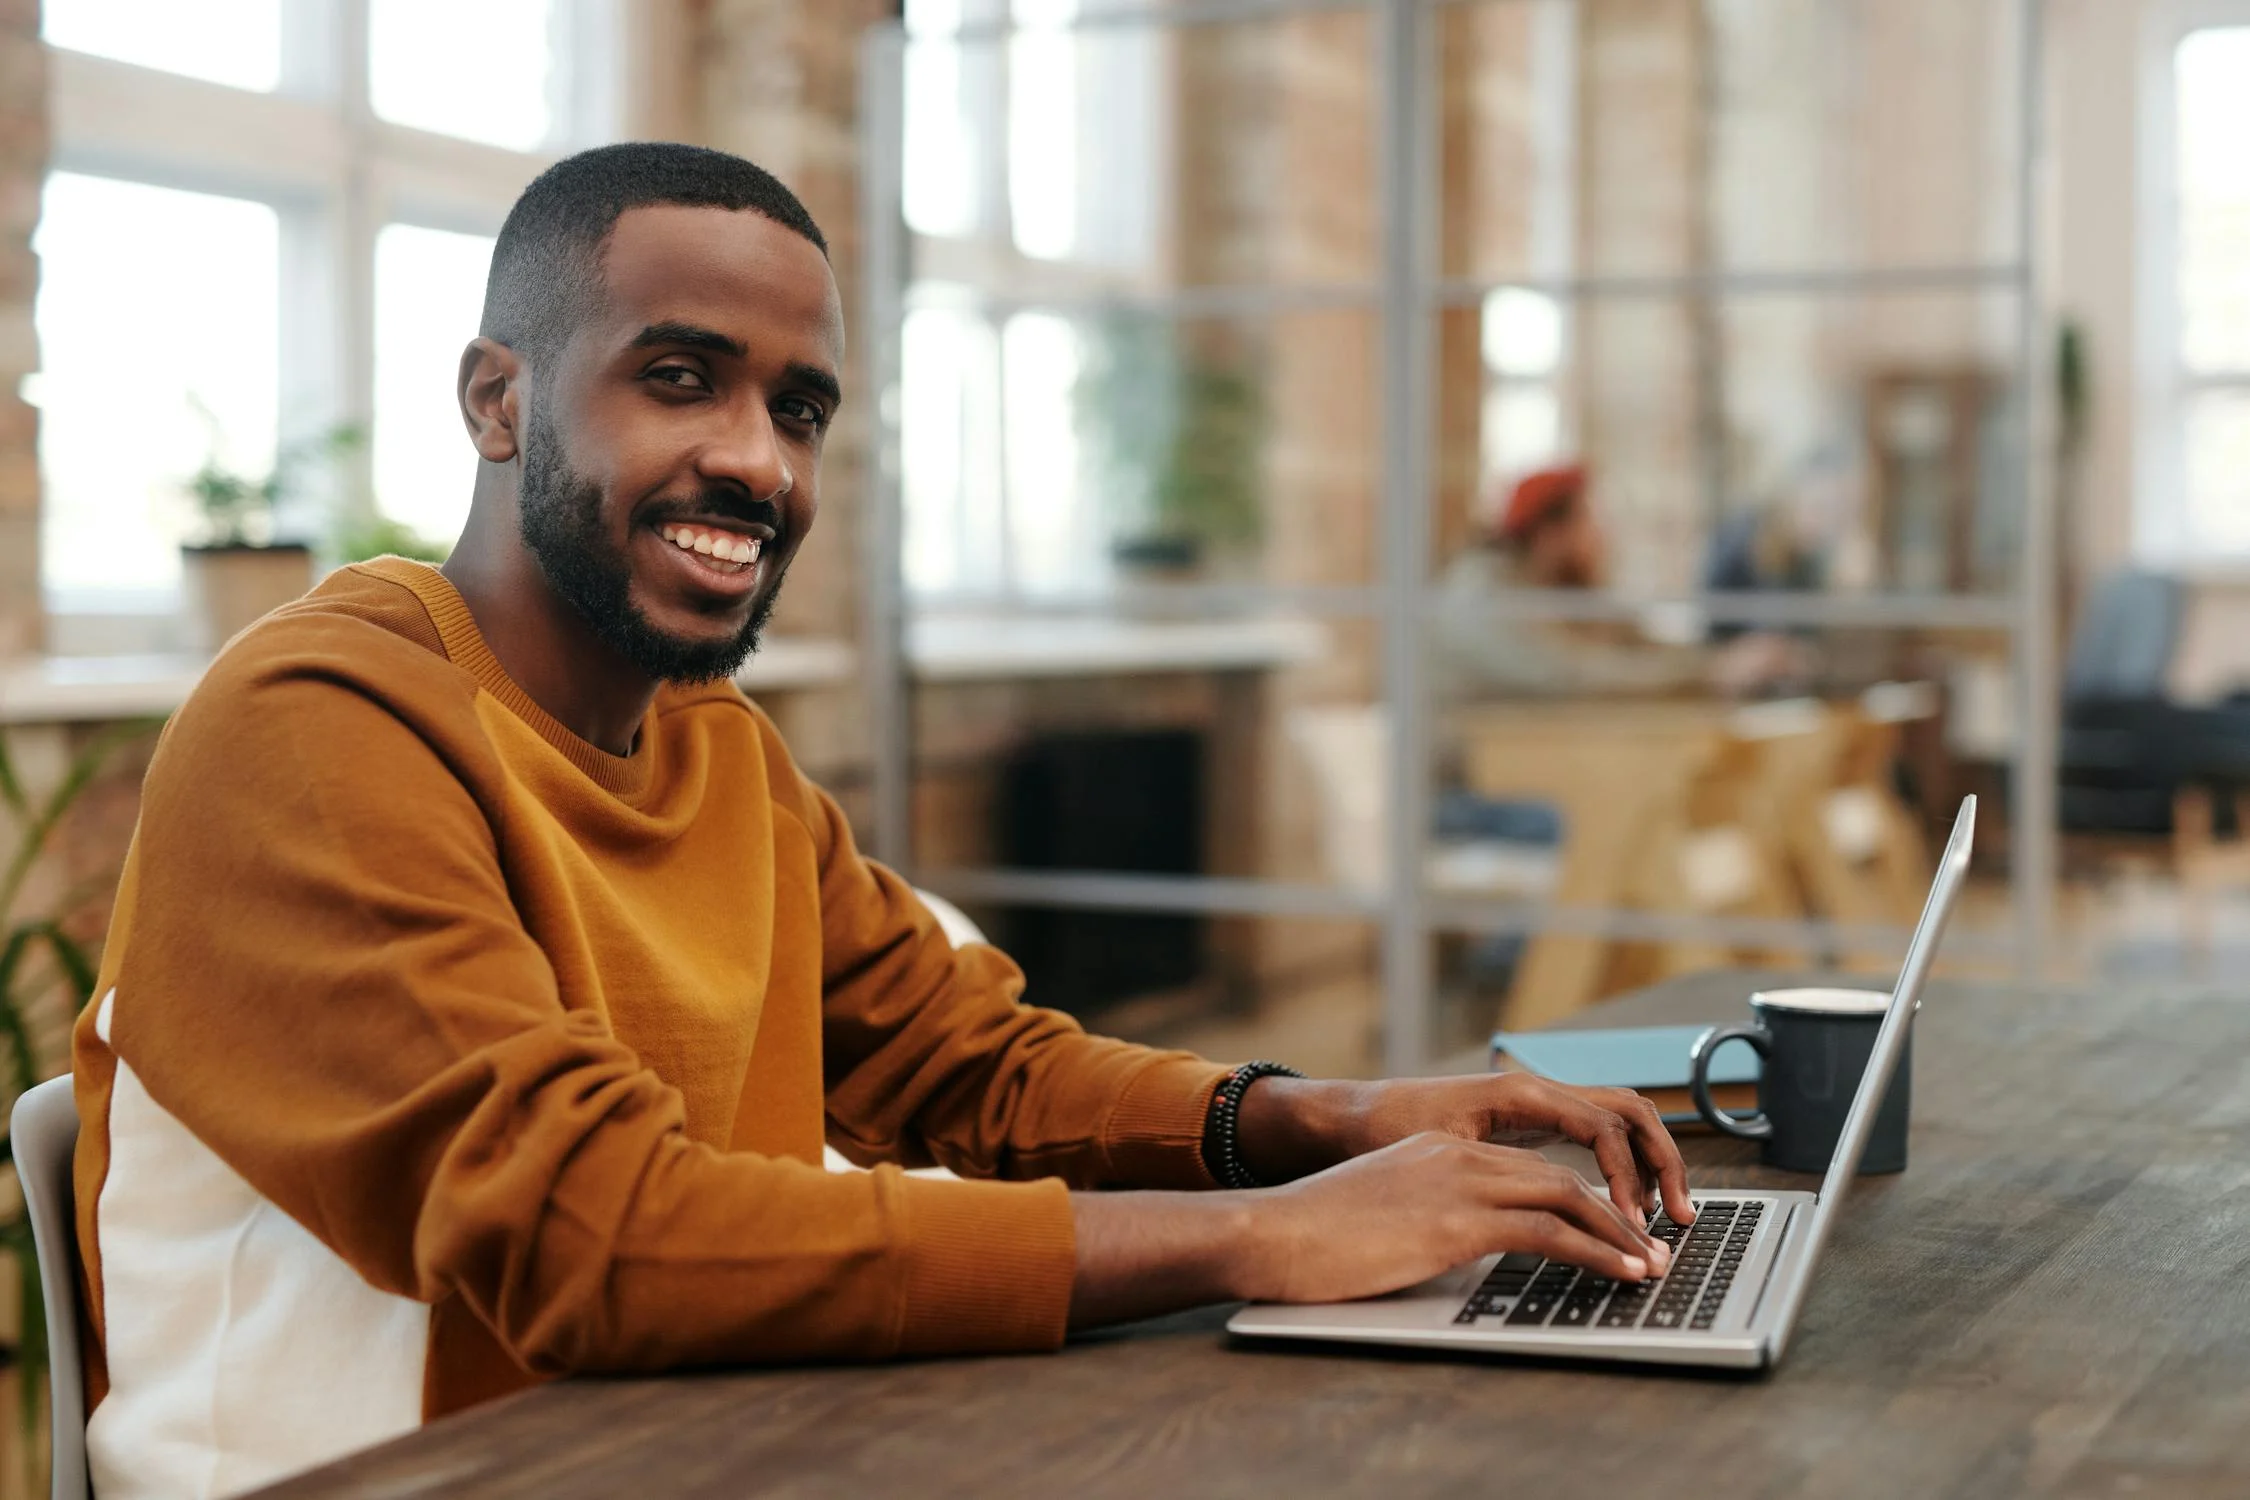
(465, 647)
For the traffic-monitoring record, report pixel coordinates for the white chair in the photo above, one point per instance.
(959, 930)
(44, 1133)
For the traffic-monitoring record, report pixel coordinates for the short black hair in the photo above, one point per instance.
(546, 265)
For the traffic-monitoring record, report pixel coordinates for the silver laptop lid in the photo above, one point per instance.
(1882, 1064)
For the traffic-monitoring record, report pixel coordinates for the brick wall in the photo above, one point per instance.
(23, 164)
(1640, 212)
(779, 83)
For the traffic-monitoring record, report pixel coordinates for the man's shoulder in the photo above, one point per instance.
(358, 649)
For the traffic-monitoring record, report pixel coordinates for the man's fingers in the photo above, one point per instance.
(1607, 1133)
(1558, 1239)
(1562, 1191)
(1659, 1154)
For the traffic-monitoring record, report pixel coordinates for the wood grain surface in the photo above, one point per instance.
(2053, 1299)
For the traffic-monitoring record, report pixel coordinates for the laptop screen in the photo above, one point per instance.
(1882, 1064)
(1890, 1041)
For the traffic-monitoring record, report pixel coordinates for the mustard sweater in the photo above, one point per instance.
(437, 1051)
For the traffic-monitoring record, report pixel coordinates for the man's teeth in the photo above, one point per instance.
(719, 546)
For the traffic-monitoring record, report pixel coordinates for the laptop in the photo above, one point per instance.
(1732, 1305)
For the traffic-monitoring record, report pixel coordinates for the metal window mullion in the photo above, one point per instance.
(1780, 607)
(1466, 291)
(1406, 176)
(1214, 601)
(882, 103)
(2032, 828)
(1099, 890)
(1257, 299)
(359, 217)
(1486, 915)
(1179, 13)
(117, 119)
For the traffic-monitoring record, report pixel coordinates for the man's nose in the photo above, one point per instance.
(750, 455)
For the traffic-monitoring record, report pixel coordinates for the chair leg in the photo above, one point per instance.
(2193, 851)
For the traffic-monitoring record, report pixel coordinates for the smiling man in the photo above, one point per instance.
(485, 979)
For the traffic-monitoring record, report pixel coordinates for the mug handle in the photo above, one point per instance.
(1757, 1127)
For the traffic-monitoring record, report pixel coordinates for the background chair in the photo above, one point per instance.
(2120, 758)
(44, 1133)
(2135, 762)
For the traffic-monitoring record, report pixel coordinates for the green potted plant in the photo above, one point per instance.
(1176, 436)
(381, 536)
(239, 569)
(46, 976)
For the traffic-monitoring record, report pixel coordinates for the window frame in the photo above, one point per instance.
(987, 253)
(2160, 531)
(314, 150)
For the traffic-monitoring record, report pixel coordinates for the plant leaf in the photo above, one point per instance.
(31, 1351)
(77, 965)
(24, 1067)
(83, 769)
(11, 789)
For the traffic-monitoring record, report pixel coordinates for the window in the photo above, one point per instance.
(429, 291)
(1524, 346)
(955, 537)
(234, 42)
(2212, 70)
(2194, 500)
(492, 80)
(1032, 155)
(212, 294)
(153, 364)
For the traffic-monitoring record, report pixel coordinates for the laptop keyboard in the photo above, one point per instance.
(1528, 1291)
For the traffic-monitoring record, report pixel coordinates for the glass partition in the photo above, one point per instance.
(1513, 481)
(1772, 139)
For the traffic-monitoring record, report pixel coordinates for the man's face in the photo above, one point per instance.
(1567, 550)
(671, 455)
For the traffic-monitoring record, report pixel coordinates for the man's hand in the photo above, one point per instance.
(1424, 1205)
(1386, 1185)
(1291, 1127)
(1378, 1222)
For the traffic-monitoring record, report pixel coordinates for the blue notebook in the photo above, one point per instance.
(1650, 1059)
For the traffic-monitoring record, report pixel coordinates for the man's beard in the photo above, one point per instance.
(560, 516)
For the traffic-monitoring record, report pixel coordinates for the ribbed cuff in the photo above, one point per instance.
(1154, 1135)
(989, 1268)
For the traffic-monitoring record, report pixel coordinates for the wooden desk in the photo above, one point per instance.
(2053, 1299)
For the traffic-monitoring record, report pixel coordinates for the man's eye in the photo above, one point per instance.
(680, 376)
(797, 409)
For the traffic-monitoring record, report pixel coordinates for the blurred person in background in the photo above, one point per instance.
(1547, 536)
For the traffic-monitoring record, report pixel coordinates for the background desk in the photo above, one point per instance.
(2054, 1299)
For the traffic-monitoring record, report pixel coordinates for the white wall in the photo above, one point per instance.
(2093, 117)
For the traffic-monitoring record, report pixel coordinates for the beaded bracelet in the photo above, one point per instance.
(1222, 1145)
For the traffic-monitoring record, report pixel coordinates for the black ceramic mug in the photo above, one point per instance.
(1816, 1043)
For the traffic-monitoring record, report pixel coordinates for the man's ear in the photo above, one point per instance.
(490, 389)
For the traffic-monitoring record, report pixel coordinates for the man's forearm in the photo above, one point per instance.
(1294, 1127)
(1144, 1254)
(1377, 1223)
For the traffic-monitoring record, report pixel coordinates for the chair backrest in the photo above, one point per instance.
(43, 1132)
(958, 928)
(2122, 647)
